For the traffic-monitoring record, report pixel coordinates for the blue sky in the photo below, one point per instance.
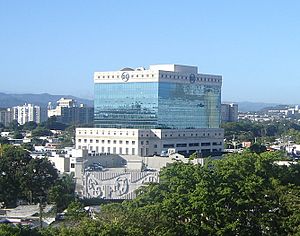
(55, 46)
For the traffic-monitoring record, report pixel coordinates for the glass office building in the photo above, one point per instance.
(164, 103)
(157, 105)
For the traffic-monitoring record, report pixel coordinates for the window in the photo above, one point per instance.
(102, 141)
(72, 165)
(108, 141)
(168, 145)
(205, 144)
(127, 142)
(120, 142)
(120, 150)
(97, 141)
(155, 145)
(115, 141)
(85, 140)
(142, 142)
(79, 140)
(181, 145)
(147, 142)
(193, 144)
(133, 151)
(133, 142)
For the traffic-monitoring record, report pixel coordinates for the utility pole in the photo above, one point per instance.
(41, 212)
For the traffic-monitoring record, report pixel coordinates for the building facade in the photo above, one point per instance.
(229, 112)
(149, 142)
(167, 108)
(163, 97)
(25, 113)
(69, 112)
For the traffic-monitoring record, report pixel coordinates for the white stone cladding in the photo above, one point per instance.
(148, 142)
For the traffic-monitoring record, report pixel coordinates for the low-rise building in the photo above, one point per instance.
(149, 142)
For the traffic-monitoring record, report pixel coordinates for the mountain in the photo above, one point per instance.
(253, 106)
(10, 100)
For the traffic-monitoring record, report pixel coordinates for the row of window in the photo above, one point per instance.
(109, 150)
(147, 135)
(186, 77)
(103, 141)
(191, 144)
(108, 132)
(205, 79)
(118, 76)
(203, 134)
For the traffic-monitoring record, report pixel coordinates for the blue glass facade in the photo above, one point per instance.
(157, 105)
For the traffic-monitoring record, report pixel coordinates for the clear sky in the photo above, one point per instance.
(55, 46)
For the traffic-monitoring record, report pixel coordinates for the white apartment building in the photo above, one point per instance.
(26, 113)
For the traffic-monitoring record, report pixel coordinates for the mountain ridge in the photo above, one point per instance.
(42, 99)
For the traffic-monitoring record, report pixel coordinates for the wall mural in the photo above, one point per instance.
(116, 185)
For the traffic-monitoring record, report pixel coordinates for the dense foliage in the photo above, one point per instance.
(242, 194)
(22, 177)
(249, 131)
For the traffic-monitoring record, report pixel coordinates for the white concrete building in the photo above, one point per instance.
(26, 113)
(143, 142)
(61, 103)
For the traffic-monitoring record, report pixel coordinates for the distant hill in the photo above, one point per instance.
(10, 100)
(253, 106)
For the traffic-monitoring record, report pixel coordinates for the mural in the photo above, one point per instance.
(115, 185)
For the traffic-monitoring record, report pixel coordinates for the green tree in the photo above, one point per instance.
(14, 126)
(27, 146)
(41, 131)
(18, 135)
(30, 125)
(76, 211)
(40, 177)
(257, 148)
(22, 177)
(4, 140)
(11, 230)
(62, 192)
